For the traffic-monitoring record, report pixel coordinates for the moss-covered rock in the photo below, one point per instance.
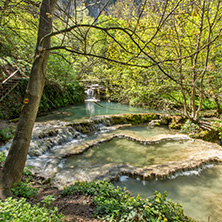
(177, 122)
(207, 135)
(137, 118)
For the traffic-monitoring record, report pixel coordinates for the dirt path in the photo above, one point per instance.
(77, 207)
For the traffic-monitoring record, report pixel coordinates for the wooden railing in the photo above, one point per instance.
(8, 85)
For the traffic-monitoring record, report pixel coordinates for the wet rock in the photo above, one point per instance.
(46, 139)
(155, 123)
(59, 134)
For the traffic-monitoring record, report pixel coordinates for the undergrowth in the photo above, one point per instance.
(115, 204)
(6, 134)
(20, 210)
(54, 96)
(111, 204)
(190, 127)
(24, 188)
(217, 126)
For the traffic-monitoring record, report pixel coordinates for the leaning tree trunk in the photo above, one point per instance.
(216, 100)
(15, 161)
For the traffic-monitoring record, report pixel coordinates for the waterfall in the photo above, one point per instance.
(92, 93)
(92, 96)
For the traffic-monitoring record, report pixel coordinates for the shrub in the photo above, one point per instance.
(217, 126)
(48, 200)
(20, 210)
(53, 97)
(24, 189)
(2, 158)
(115, 204)
(190, 127)
(6, 134)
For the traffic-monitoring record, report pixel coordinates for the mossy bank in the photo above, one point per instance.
(54, 96)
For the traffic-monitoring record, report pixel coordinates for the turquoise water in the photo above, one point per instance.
(123, 151)
(146, 131)
(199, 193)
(90, 109)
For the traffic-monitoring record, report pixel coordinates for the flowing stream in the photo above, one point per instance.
(199, 190)
(128, 156)
(137, 147)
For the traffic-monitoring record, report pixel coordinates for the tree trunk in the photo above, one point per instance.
(218, 106)
(15, 161)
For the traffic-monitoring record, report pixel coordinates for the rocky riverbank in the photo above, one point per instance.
(54, 141)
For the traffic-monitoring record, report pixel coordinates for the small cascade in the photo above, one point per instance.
(92, 93)
(92, 96)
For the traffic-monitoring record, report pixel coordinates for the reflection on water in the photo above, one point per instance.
(201, 195)
(90, 109)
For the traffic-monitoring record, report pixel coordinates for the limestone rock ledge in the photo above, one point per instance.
(147, 173)
(81, 148)
(208, 153)
(46, 135)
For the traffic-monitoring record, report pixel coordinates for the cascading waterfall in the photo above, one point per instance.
(92, 93)
(92, 96)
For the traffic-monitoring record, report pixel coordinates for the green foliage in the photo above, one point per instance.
(149, 87)
(2, 158)
(20, 210)
(208, 104)
(146, 87)
(24, 189)
(18, 33)
(217, 126)
(5, 49)
(53, 97)
(59, 70)
(48, 200)
(27, 172)
(6, 134)
(190, 127)
(114, 204)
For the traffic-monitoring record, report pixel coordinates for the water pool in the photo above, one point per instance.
(90, 109)
(199, 192)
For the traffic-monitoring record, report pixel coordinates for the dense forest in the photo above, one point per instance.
(158, 55)
(153, 54)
